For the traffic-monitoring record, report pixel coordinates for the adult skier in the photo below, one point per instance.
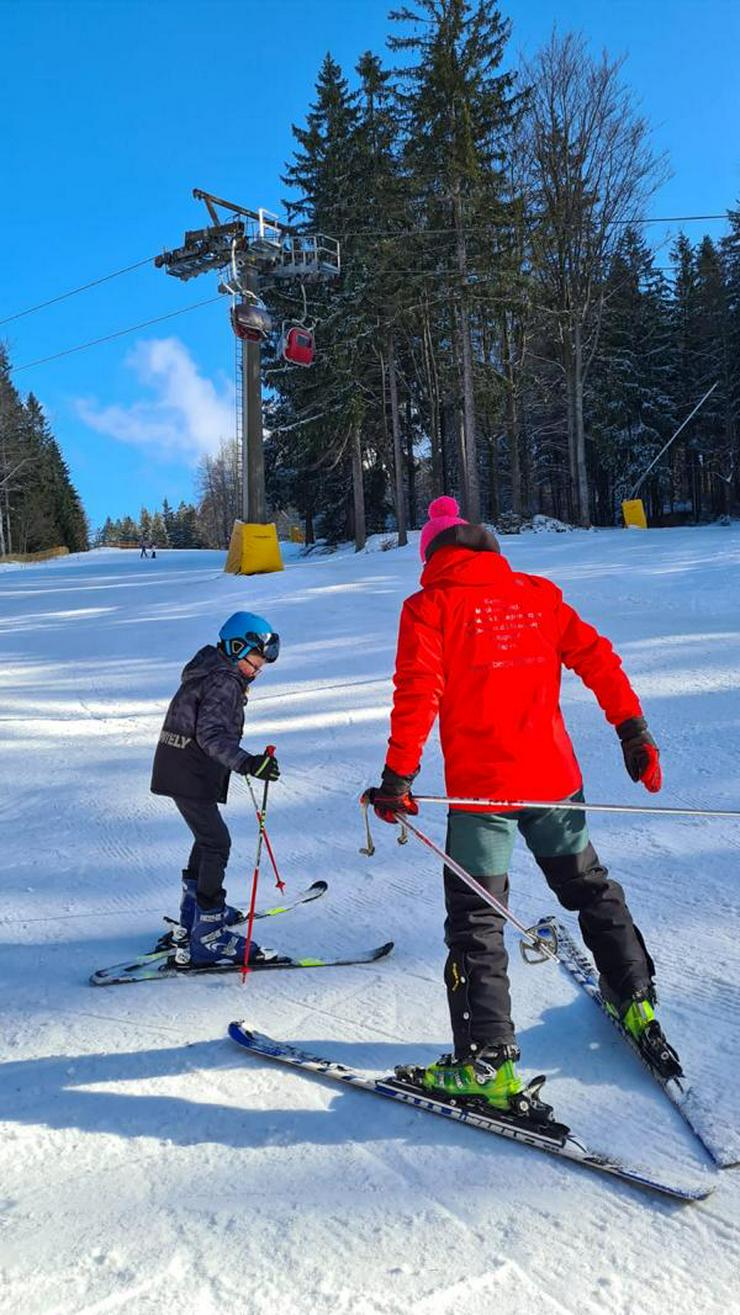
(483, 647)
(197, 751)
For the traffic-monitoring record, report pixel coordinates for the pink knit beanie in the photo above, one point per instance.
(443, 514)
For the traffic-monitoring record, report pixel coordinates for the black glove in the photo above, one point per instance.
(641, 754)
(262, 765)
(392, 796)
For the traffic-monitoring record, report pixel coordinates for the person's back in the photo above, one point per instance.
(484, 646)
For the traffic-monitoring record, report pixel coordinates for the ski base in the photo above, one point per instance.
(557, 1141)
(577, 963)
(166, 942)
(156, 966)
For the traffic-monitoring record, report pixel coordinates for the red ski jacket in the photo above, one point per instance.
(483, 646)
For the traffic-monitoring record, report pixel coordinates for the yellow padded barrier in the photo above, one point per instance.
(634, 514)
(254, 550)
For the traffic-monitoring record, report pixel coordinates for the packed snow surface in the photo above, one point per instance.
(146, 1163)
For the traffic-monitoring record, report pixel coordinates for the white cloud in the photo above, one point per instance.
(187, 416)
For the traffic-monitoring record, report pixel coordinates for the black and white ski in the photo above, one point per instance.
(560, 1141)
(307, 896)
(156, 966)
(678, 1090)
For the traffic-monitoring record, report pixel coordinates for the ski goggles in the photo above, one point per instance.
(267, 645)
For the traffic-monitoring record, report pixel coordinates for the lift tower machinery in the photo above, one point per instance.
(252, 252)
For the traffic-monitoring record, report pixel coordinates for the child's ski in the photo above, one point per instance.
(156, 966)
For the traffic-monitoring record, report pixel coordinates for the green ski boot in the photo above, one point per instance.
(488, 1076)
(637, 1017)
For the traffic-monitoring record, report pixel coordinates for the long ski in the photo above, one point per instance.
(155, 967)
(307, 896)
(679, 1092)
(558, 1142)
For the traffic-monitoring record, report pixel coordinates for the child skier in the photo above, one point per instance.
(198, 749)
(483, 646)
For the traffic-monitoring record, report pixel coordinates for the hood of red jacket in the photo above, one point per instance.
(461, 566)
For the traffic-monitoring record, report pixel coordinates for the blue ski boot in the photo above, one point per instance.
(188, 901)
(180, 934)
(212, 943)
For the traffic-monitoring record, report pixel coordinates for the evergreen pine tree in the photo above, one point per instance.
(458, 110)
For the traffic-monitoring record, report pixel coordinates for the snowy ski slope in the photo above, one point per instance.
(145, 1163)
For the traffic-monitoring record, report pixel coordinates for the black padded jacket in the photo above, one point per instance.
(199, 742)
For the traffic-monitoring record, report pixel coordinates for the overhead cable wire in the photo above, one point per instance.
(108, 337)
(377, 233)
(73, 293)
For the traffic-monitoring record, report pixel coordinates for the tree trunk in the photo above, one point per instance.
(411, 464)
(8, 538)
(571, 500)
(358, 491)
(493, 493)
(512, 421)
(462, 462)
(397, 452)
(436, 437)
(581, 474)
(470, 487)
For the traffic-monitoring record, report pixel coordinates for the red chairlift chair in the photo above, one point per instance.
(298, 344)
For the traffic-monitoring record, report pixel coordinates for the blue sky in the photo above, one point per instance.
(116, 109)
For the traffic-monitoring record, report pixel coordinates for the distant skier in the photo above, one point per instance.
(143, 552)
(198, 749)
(483, 646)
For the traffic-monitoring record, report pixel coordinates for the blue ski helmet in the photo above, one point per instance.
(243, 632)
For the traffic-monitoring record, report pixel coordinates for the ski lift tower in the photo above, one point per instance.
(250, 250)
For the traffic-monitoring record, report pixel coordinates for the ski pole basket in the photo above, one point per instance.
(543, 944)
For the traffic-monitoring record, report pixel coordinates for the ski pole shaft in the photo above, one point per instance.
(255, 876)
(526, 932)
(503, 804)
(280, 884)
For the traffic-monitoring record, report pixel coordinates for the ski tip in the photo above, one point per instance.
(383, 950)
(319, 886)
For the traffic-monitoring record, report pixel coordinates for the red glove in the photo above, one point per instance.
(392, 796)
(641, 753)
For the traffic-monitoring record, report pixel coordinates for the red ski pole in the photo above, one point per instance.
(255, 878)
(278, 879)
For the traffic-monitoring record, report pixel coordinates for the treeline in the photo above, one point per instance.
(39, 506)
(182, 527)
(501, 328)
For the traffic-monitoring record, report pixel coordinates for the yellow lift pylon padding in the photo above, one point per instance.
(634, 514)
(254, 550)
